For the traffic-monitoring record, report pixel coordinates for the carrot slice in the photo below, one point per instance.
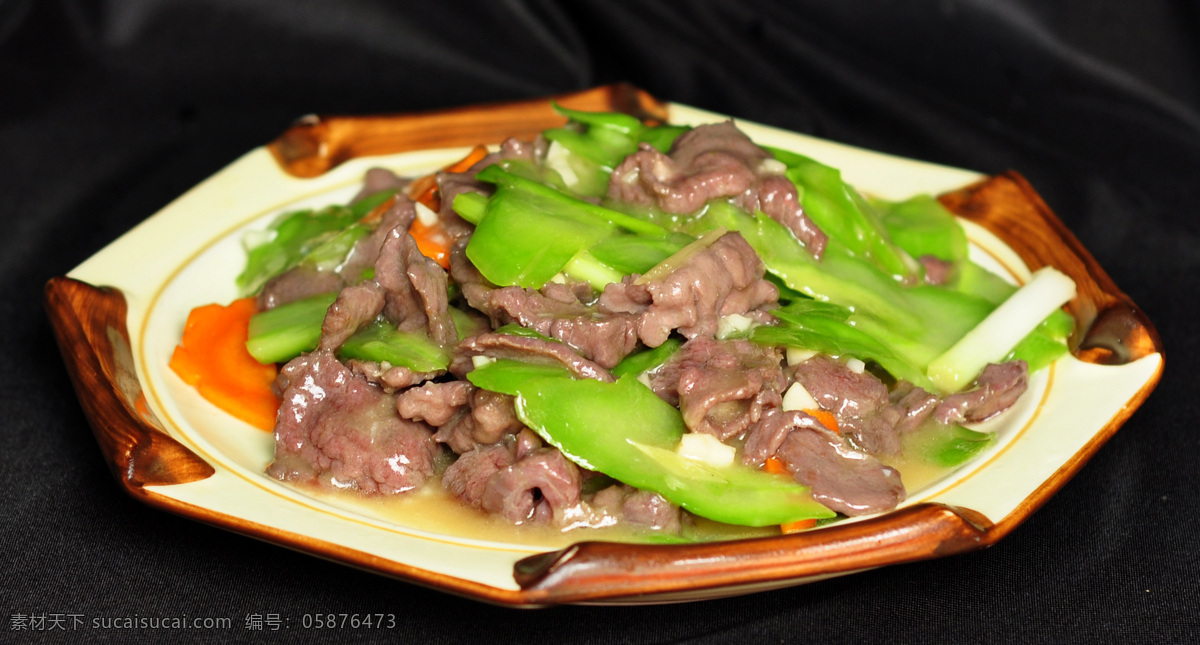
(376, 213)
(433, 241)
(825, 417)
(424, 189)
(212, 357)
(797, 526)
(775, 465)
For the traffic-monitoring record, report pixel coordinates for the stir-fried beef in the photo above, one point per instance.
(776, 196)
(390, 379)
(721, 386)
(603, 337)
(338, 430)
(937, 270)
(517, 479)
(842, 477)
(303, 281)
(365, 253)
(465, 416)
(911, 406)
(724, 278)
(859, 400)
(764, 438)
(415, 287)
(876, 419)
(628, 505)
(539, 488)
(710, 162)
(468, 476)
(353, 309)
(378, 428)
(494, 416)
(475, 288)
(408, 288)
(555, 311)
(995, 390)
(533, 350)
(453, 184)
(297, 284)
(378, 179)
(434, 403)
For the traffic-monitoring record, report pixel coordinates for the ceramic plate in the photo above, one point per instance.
(119, 315)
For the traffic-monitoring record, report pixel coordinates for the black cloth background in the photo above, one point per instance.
(110, 109)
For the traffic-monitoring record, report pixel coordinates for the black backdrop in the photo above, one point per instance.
(110, 109)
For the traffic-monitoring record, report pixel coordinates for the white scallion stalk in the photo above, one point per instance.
(995, 336)
(584, 266)
(680, 257)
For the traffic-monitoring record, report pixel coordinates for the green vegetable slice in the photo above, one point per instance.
(625, 431)
(285, 332)
(383, 343)
(294, 235)
(643, 361)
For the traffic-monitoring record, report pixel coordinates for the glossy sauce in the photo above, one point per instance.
(431, 509)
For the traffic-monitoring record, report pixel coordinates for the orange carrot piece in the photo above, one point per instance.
(825, 417)
(424, 189)
(432, 241)
(473, 157)
(774, 465)
(376, 213)
(797, 526)
(212, 357)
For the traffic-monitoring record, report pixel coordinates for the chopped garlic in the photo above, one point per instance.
(733, 324)
(706, 448)
(797, 355)
(798, 398)
(480, 361)
(558, 159)
(770, 166)
(856, 365)
(426, 216)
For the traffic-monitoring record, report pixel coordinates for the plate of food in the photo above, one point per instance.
(600, 348)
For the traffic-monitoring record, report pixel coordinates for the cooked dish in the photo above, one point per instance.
(622, 323)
